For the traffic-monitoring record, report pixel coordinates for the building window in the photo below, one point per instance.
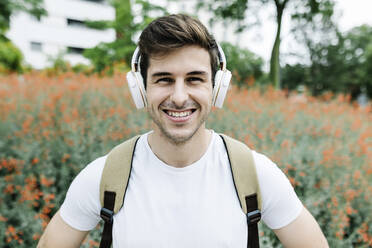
(36, 46)
(75, 50)
(75, 23)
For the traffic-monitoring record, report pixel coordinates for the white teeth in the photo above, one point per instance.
(179, 114)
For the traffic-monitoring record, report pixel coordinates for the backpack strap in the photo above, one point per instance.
(117, 169)
(246, 185)
(114, 183)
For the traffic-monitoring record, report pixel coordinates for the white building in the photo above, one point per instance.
(61, 32)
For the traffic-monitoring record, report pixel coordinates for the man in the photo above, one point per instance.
(181, 191)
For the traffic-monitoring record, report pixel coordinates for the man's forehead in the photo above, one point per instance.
(192, 59)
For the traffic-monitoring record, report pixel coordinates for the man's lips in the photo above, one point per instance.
(179, 115)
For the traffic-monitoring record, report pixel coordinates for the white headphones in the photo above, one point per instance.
(137, 87)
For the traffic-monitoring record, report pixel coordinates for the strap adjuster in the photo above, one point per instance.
(107, 215)
(253, 217)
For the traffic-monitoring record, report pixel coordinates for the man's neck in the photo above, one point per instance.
(180, 155)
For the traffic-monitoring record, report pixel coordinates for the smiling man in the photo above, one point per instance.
(181, 191)
(179, 93)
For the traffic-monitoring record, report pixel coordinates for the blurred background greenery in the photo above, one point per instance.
(338, 62)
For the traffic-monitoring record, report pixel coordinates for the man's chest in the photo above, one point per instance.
(189, 210)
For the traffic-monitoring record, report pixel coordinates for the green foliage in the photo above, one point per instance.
(10, 57)
(105, 55)
(82, 68)
(240, 11)
(8, 7)
(245, 66)
(58, 66)
(341, 67)
(295, 75)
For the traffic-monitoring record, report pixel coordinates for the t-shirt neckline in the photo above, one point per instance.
(197, 164)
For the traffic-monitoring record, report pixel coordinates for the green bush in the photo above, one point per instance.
(10, 57)
(245, 66)
(344, 66)
(294, 75)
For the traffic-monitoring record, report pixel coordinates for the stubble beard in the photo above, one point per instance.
(174, 139)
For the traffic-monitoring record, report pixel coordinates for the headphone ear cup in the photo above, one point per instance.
(137, 89)
(221, 85)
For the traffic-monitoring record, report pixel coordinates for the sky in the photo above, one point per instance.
(355, 13)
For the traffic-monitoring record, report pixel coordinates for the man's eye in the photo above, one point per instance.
(164, 80)
(195, 79)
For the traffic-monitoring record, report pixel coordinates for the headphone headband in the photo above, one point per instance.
(136, 58)
(221, 57)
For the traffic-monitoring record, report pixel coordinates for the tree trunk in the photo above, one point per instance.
(123, 17)
(274, 61)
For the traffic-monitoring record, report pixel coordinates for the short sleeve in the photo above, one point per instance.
(280, 204)
(81, 206)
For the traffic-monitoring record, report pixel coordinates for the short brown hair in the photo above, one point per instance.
(168, 33)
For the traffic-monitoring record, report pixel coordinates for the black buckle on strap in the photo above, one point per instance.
(253, 217)
(107, 215)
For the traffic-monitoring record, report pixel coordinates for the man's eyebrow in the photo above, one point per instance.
(197, 73)
(160, 74)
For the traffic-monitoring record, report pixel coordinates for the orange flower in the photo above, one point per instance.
(3, 219)
(34, 161)
(46, 182)
(65, 157)
(48, 198)
(9, 189)
(302, 174)
(328, 154)
(334, 201)
(93, 243)
(357, 175)
(350, 194)
(36, 236)
(349, 210)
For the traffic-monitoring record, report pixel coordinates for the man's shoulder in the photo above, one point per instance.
(265, 167)
(259, 158)
(91, 173)
(97, 163)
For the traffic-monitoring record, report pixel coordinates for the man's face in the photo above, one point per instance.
(179, 92)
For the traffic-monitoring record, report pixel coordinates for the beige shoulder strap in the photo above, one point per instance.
(117, 169)
(115, 175)
(243, 170)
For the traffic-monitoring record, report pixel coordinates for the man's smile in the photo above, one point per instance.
(179, 115)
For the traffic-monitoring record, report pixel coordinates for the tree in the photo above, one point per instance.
(9, 7)
(105, 55)
(343, 65)
(10, 56)
(245, 66)
(303, 11)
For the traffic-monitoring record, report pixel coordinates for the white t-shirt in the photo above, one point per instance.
(195, 206)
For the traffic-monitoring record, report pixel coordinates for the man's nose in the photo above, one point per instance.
(179, 93)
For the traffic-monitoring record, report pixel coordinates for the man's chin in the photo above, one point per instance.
(178, 138)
